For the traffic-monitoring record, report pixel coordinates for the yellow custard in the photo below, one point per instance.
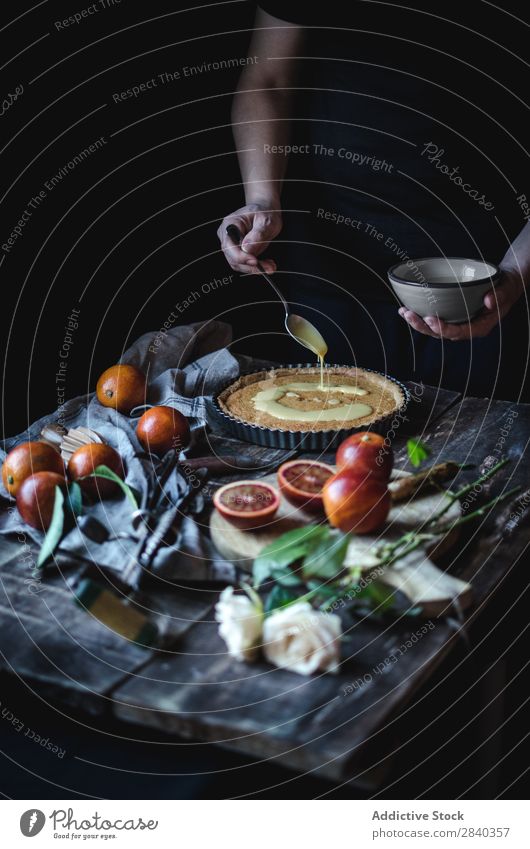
(308, 336)
(268, 401)
(321, 361)
(293, 399)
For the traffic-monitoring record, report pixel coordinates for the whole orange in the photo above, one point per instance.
(36, 498)
(26, 459)
(356, 503)
(162, 428)
(122, 387)
(366, 452)
(84, 462)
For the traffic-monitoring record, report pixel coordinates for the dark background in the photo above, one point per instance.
(130, 230)
(125, 235)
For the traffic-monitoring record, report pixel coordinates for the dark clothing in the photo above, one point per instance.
(403, 124)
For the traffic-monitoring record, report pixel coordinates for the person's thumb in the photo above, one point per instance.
(259, 238)
(497, 298)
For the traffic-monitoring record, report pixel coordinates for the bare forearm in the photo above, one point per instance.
(261, 124)
(261, 117)
(517, 257)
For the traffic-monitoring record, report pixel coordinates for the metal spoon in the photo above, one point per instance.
(301, 330)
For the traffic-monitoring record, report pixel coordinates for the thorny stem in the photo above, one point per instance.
(452, 497)
(481, 510)
(455, 496)
(411, 540)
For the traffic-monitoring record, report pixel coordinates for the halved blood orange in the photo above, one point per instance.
(247, 504)
(301, 482)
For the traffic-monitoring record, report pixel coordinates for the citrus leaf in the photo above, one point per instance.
(55, 531)
(379, 595)
(285, 550)
(108, 474)
(75, 498)
(326, 559)
(285, 576)
(305, 536)
(324, 590)
(417, 451)
(261, 571)
(279, 597)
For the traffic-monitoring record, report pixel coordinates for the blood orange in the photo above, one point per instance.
(36, 498)
(366, 452)
(356, 503)
(122, 387)
(27, 459)
(301, 482)
(85, 461)
(247, 504)
(162, 428)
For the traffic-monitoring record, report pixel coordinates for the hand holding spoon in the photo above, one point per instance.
(299, 328)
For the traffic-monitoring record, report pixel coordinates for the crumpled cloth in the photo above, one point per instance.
(184, 366)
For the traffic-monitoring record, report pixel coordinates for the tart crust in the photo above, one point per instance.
(384, 396)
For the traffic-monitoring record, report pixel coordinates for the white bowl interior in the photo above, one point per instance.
(441, 270)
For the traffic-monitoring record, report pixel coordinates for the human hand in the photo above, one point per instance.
(497, 303)
(258, 224)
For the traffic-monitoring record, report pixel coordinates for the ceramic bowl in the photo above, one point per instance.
(450, 288)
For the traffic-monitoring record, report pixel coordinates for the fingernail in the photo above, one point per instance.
(401, 311)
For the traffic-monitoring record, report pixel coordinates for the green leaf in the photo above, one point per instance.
(285, 576)
(325, 590)
(105, 472)
(326, 559)
(417, 451)
(379, 595)
(75, 499)
(261, 571)
(281, 548)
(285, 550)
(279, 597)
(55, 531)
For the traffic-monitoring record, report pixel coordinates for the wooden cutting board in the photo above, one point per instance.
(416, 575)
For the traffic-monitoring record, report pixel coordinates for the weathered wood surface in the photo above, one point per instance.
(322, 723)
(64, 652)
(48, 640)
(312, 724)
(427, 404)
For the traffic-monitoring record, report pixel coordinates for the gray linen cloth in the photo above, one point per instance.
(184, 366)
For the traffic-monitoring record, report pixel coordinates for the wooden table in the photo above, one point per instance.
(195, 691)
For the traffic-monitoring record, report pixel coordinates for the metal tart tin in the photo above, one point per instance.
(307, 440)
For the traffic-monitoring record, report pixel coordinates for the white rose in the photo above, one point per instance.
(241, 622)
(302, 639)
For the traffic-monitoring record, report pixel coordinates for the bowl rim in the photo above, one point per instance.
(490, 278)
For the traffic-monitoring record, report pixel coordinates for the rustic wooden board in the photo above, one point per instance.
(471, 431)
(427, 404)
(416, 575)
(320, 724)
(315, 724)
(64, 651)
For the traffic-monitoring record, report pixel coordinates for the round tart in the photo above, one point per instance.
(293, 399)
